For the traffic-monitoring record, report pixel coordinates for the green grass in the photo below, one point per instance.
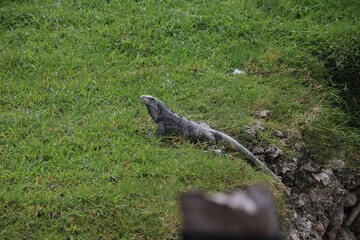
(78, 156)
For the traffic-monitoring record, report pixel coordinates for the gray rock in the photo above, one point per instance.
(278, 134)
(287, 168)
(294, 235)
(258, 150)
(273, 152)
(283, 141)
(304, 226)
(238, 72)
(323, 177)
(259, 126)
(338, 216)
(263, 114)
(299, 203)
(217, 152)
(337, 164)
(350, 199)
(299, 146)
(357, 179)
(251, 131)
(353, 215)
(308, 168)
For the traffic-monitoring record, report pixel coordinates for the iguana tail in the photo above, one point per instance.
(249, 155)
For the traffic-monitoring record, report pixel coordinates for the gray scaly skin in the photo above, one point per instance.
(170, 122)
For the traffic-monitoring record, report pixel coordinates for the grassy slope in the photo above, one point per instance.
(77, 159)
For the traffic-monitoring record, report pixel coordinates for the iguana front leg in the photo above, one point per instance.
(161, 128)
(210, 137)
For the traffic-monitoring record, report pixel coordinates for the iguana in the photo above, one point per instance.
(170, 122)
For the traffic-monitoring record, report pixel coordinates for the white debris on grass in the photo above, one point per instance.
(238, 72)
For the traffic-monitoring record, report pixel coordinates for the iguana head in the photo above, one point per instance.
(154, 106)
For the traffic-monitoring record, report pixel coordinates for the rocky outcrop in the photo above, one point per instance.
(326, 201)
